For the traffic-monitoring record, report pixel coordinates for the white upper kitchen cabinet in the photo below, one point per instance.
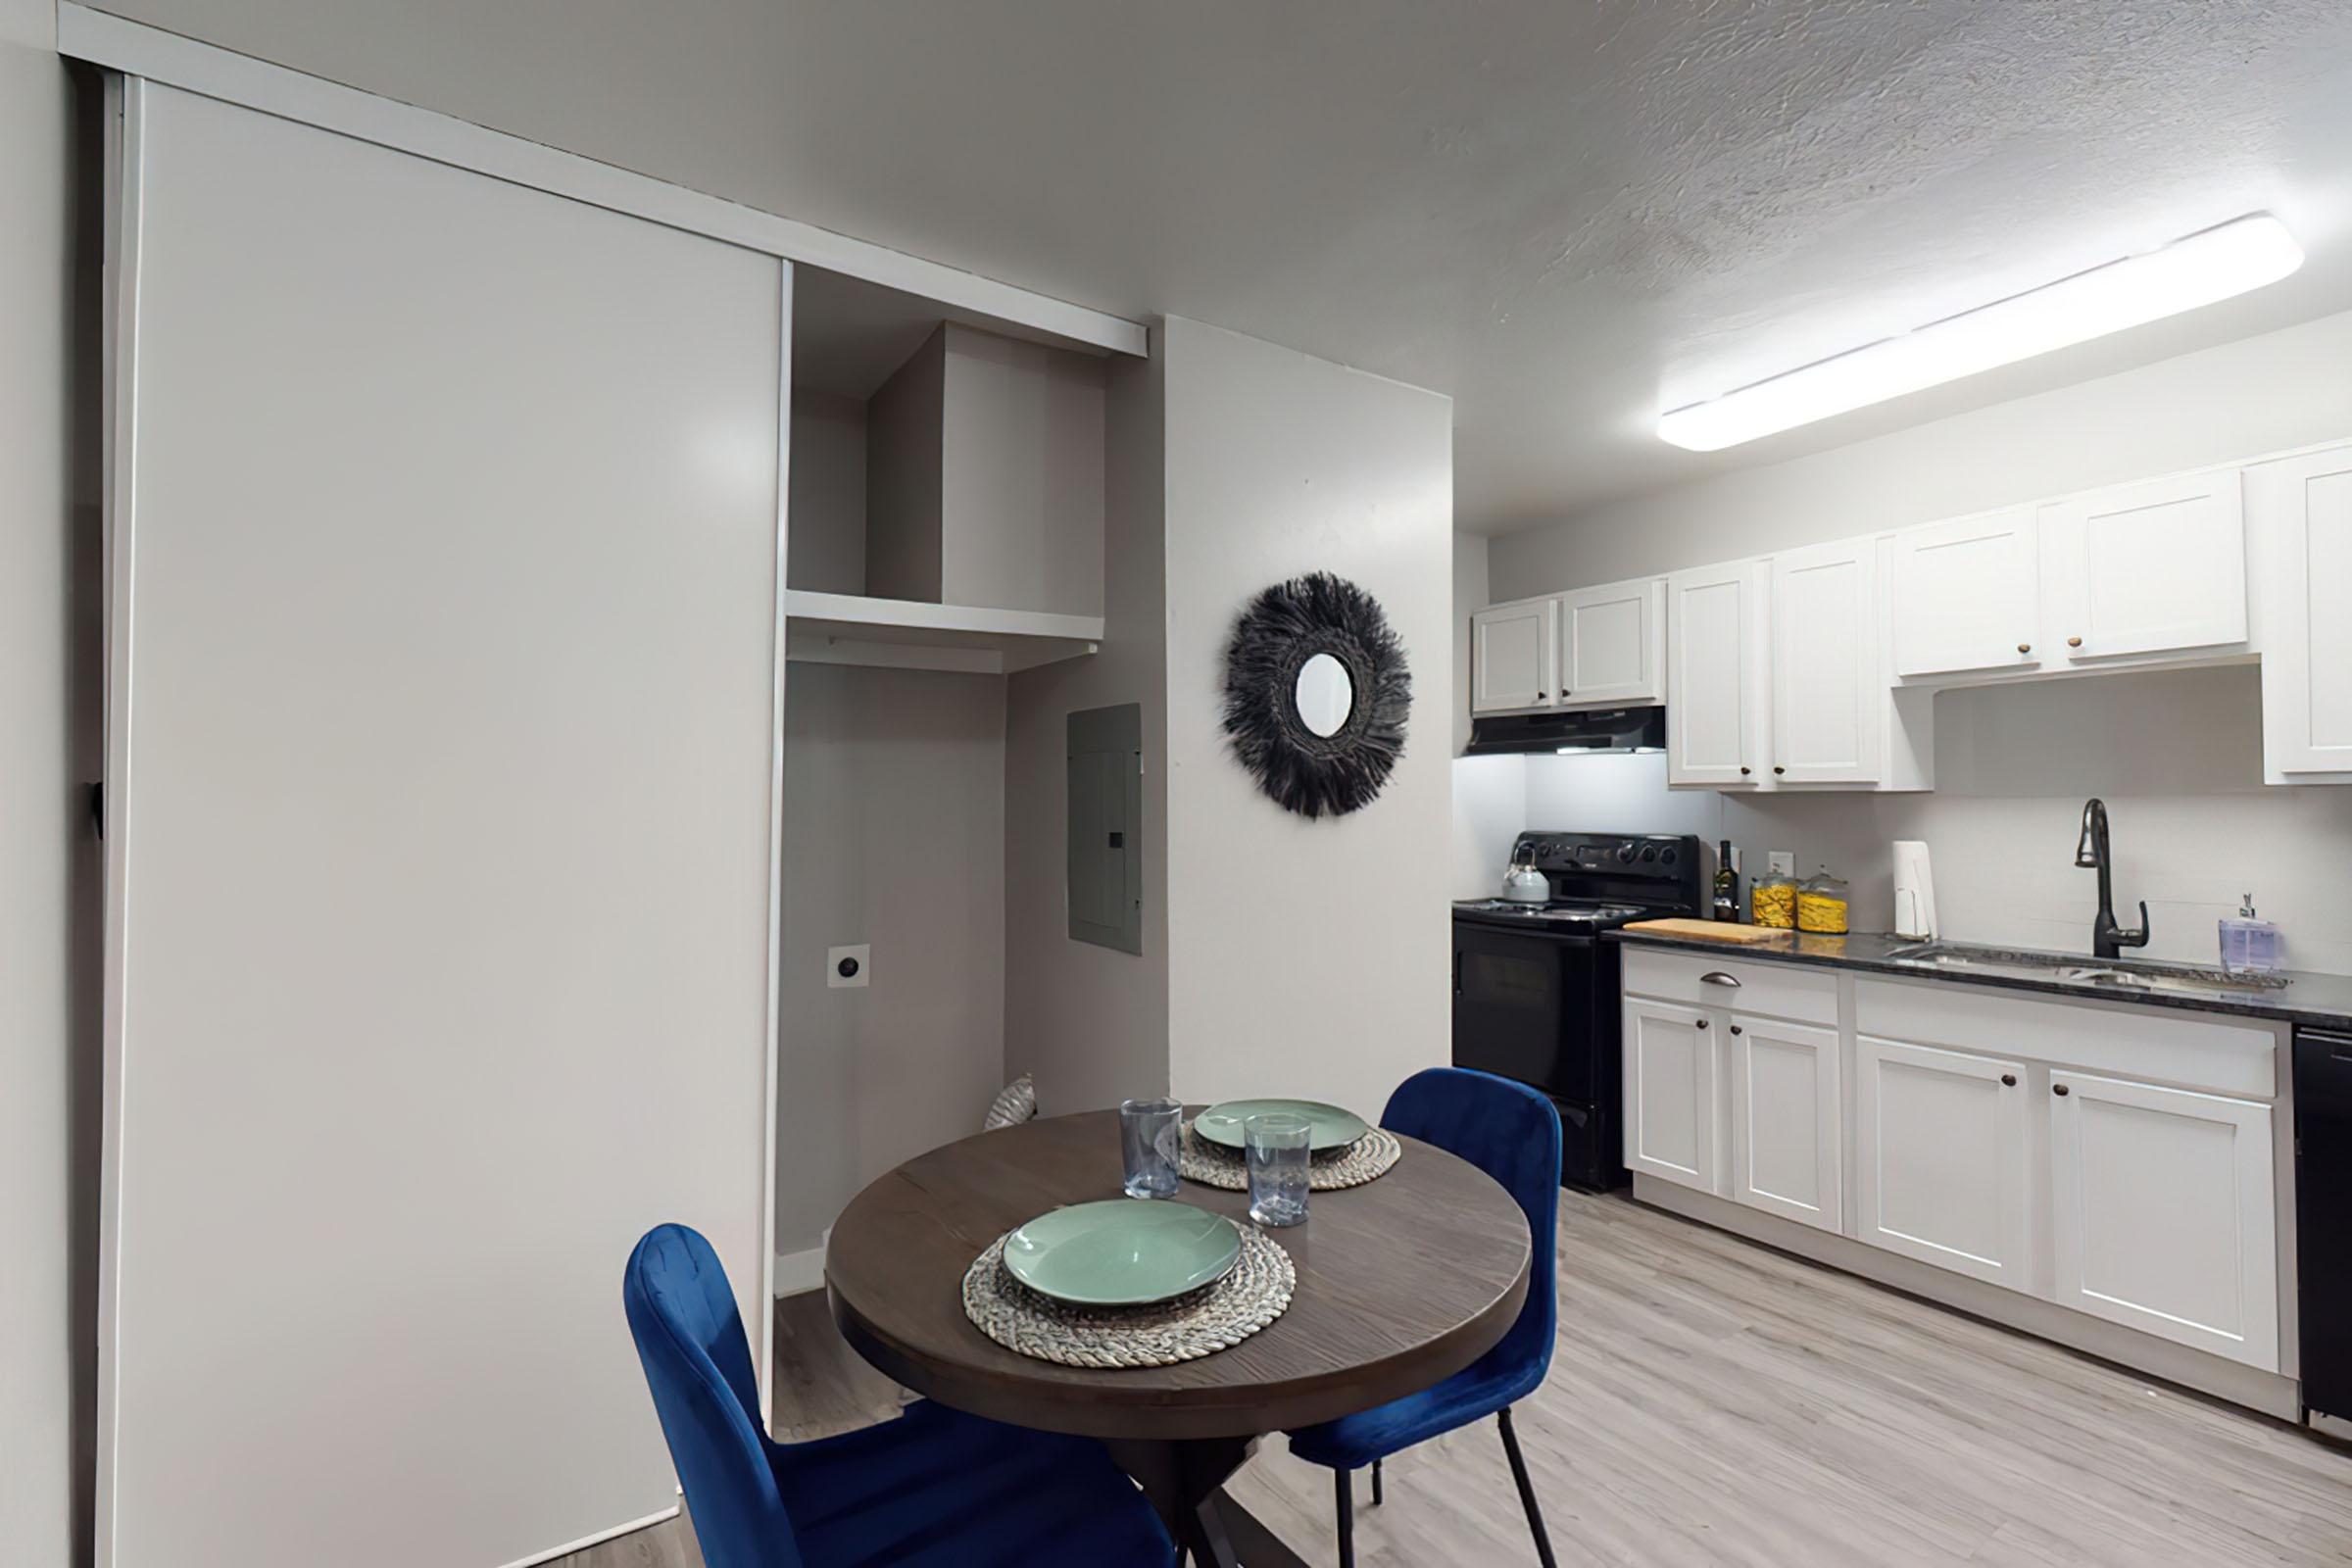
(2151, 568)
(2299, 515)
(1941, 1171)
(1512, 658)
(1613, 644)
(1967, 596)
(1787, 1121)
(1829, 683)
(2163, 1213)
(1717, 689)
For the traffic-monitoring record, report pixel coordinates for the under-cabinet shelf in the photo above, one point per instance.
(908, 634)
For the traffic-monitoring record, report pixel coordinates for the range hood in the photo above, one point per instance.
(1607, 729)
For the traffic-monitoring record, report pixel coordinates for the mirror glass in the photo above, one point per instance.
(1325, 695)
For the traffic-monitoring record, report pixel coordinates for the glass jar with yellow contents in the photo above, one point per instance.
(1821, 902)
(1772, 900)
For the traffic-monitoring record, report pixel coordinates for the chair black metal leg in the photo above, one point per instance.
(1376, 1482)
(1527, 1491)
(1343, 1486)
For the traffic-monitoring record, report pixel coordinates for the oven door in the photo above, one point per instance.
(1523, 1005)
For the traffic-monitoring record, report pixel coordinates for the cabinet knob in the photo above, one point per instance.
(1776, 768)
(1540, 697)
(1744, 773)
(2074, 642)
(1702, 1023)
(2024, 648)
(2057, 1089)
(2008, 1080)
(1735, 1028)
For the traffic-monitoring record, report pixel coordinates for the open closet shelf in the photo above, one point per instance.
(908, 634)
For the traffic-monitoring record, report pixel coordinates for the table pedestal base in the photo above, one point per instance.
(1186, 1483)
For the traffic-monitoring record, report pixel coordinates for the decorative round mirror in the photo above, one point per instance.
(1317, 693)
(1324, 694)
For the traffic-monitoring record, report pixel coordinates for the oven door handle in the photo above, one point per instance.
(1716, 977)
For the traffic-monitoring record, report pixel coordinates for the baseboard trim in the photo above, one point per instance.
(800, 1271)
(597, 1540)
(2141, 1353)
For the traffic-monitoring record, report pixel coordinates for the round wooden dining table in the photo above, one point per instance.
(1401, 1282)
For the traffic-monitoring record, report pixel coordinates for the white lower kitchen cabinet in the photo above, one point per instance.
(1788, 1142)
(1941, 1139)
(1670, 1092)
(2163, 1213)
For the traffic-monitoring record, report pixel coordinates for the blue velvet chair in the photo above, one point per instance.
(933, 1487)
(1512, 1132)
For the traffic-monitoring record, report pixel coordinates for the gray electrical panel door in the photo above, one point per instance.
(1107, 813)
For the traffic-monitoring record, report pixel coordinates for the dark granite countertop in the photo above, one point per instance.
(2322, 1000)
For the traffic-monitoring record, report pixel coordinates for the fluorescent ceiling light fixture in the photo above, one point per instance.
(2215, 264)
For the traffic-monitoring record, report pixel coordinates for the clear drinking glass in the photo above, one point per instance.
(1276, 1145)
(1149, 1132)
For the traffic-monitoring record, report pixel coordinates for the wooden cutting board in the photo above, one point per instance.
(1707, 930)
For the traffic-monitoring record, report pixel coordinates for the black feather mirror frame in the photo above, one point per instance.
(1282, 628)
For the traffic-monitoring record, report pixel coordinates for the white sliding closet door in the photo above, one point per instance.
(442, 769)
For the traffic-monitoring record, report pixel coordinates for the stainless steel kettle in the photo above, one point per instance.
(1522, 883)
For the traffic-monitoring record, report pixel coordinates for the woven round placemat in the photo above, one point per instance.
(1215, 1166)
(1200, 1323)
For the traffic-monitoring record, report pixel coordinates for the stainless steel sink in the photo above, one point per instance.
(2091, 973)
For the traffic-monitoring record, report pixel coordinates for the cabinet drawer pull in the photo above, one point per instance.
(1716, 977)
(2008, 1080)
(2057, 1089)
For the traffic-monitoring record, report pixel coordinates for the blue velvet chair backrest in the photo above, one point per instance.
(698, 1365)
(1512, 1132)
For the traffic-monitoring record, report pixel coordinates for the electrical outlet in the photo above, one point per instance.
(1783, 863)
(851, 967)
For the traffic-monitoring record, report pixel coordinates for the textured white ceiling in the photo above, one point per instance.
(1567, 215)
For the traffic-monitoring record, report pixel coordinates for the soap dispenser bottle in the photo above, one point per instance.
(2249, 944)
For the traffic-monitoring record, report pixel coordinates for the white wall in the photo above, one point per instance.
(1090, 1023)
(2260, 394)
(1306, 956)
(894, 835)
(47, 859)
(2176, 755)
(827, 509)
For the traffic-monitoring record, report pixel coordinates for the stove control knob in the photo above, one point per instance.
(1666, 858)
(1625, 854)
(1650, 852)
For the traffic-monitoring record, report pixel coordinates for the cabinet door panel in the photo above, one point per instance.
(2163, 1213)
(1670, 1092)
(1967, 595)
(1611, 644)
(1715, 676)
(2147, 569)
(1787, 1130)
(1828, 691)
(2301, 509)
(1942, 1136)
(1511, 655)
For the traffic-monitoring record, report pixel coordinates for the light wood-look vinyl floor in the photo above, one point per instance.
(1712, 1401)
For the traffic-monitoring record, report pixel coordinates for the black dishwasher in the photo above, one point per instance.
(2324, 1222)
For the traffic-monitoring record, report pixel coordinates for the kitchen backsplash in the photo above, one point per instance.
(2176, 755)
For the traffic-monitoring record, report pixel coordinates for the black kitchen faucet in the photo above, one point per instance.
(2107, 939)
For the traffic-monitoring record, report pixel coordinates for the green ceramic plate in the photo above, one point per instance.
(1122, 1252)
(1333, 1128)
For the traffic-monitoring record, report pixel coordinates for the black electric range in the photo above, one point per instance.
(1535, 988)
